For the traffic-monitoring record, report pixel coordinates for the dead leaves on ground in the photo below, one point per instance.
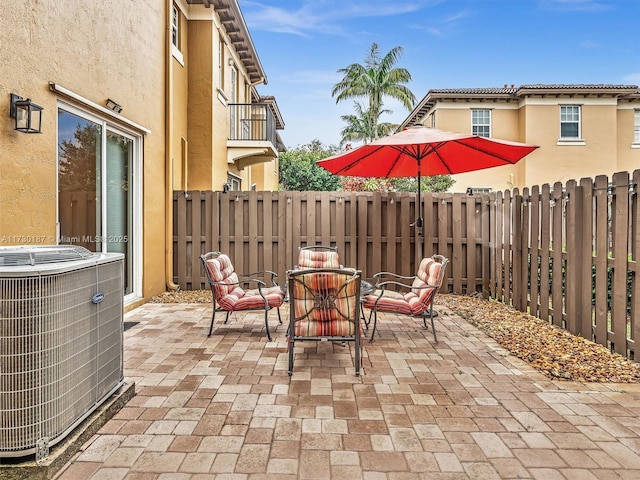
(555, 352)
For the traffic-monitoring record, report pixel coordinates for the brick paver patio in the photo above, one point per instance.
(225, 408)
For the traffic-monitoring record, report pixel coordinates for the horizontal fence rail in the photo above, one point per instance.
(564, 253)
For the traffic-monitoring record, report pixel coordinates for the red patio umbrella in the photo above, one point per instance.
(419, 151)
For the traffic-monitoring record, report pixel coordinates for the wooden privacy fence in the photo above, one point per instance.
(564, 253)
(568, 255)
(373, 232)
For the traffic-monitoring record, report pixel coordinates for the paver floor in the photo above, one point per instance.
(223, 407)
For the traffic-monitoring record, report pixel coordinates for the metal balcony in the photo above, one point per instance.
(251, 122)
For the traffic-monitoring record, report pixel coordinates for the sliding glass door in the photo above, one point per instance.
(97, 201)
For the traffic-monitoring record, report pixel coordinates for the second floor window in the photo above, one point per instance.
(636, 127)
(569, 121)
(174, 26)
(234, 182)
(481, 123)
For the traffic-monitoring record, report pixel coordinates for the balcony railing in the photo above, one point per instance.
(251, 122)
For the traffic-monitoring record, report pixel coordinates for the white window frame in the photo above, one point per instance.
(564, 119)
(234, 181)
(483, 123)
(175, 22)
(636, 129)
(136, 174)
(175, 35)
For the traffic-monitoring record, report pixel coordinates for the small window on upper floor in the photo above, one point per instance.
(175, 35)
(636, 127)
(175, 22)
(234, 182)
(481, 122)
(569, 122)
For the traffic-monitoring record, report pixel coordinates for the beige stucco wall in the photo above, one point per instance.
(606, 128)
(504, 126)
(177, 114)
(628, 153)
(200, 99)
(98, 50)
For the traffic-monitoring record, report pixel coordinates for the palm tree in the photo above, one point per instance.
(364, 125)
(377, 78)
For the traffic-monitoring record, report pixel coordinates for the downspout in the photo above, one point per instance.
(168, 162)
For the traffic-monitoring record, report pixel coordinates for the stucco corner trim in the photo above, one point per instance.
(54, 87)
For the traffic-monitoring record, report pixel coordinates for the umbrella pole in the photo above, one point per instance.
(419, 221)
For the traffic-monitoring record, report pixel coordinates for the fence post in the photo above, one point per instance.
(574, 248)
(587, 232)
(620, 230)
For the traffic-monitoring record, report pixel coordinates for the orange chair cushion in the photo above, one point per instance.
(417, 300)
(230, 296)
(317, 259)
(324, 304)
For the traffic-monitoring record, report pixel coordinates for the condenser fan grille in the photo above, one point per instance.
(42, 255)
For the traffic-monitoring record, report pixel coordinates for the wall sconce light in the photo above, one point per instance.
(28, 115)
(111, 105)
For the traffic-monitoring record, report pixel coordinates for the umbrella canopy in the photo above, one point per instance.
(419, 151)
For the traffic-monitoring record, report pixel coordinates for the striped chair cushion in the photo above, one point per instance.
(231, 296)
(324, 304)
(414, 302)
(316, 259)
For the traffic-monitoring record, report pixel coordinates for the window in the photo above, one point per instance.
(234, 182)
(221, 63)
(481, 123)
(569, 121)
(98, 201)
(174, 26)
(175, 35)
(636, 127)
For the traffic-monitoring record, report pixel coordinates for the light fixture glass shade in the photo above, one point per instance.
(27, 115)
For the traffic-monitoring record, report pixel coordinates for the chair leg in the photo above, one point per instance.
(213, 317)
(279, 317)
(431, 314)
(433, 327)
(358, 352)
(375, 323)
(290, 349)
(266, 322)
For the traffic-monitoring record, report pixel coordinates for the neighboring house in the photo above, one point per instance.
(130, 114)
(582, 130)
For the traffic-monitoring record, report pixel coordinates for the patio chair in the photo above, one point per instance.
(411, 296)
(317, 256)
(324, 306)
(229, 294)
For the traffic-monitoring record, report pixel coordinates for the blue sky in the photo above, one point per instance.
(447, 44)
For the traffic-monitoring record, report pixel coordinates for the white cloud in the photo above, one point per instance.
(325, 16)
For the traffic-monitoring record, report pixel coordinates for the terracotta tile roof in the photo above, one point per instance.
(574, 86)
(506, 91)
(474, 91)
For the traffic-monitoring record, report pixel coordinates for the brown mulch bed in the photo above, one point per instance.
(555, 352)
